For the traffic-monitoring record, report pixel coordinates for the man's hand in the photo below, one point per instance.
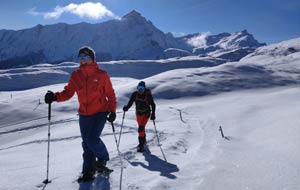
(50, 97)
(125, 108)
(111, 117)
(152, 116)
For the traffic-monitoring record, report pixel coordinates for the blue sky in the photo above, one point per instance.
(269, 21)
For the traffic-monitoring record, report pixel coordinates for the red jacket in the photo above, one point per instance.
(94, 90)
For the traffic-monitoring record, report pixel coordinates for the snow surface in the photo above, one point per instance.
(254, 100)
(45, 74)
(262, 152)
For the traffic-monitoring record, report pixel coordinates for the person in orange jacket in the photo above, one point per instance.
(97, 103)
(145, 109)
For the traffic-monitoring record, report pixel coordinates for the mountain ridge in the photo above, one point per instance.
(131, 37)
(271, 65)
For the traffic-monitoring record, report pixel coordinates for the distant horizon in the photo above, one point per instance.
(269, 21)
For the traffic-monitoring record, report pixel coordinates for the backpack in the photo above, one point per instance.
(142, 104)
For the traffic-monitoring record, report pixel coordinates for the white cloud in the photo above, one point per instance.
(84, 10)
(58, 11)
(33, 12)
(198, 41)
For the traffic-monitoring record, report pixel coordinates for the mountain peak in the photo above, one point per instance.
(245, 31)
(133, 15)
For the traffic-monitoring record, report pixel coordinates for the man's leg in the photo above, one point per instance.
(85, 123)
(142, 121)
(94, 142)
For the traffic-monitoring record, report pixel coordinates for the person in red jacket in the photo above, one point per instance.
(145, 109)
(97, 103)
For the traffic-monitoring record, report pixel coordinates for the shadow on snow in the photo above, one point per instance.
(100, 183)
(156, 164)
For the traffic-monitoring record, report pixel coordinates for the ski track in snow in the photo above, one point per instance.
(197, 156)
(151, 162)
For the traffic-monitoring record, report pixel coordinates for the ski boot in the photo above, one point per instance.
(140, 148)
(142, 144)
(102, 169)
(86, 177)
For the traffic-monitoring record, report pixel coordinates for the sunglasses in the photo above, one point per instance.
(84, 57)
(140, 87)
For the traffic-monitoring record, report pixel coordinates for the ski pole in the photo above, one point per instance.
(119, 153)
(159, 142)
(114, 132)
(121, 129)
(46, 181)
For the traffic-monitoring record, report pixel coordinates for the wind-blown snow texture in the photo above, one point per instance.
(254, 100)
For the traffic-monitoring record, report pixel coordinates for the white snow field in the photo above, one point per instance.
(255, 101)
(261, 153)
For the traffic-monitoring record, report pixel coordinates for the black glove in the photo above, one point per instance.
(125, 108)
(50, 97)
(111, 117)
(152, 116)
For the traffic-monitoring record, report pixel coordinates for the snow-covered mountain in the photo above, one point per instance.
(131, 37)
(227, 46)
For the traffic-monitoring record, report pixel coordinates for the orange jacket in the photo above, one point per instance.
(94, 90)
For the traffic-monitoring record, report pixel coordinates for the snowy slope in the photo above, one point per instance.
(261, 125)
(262, 152)
(174, 52)
(258, 70)
(273, 65)
(45, 74)
(276, 50)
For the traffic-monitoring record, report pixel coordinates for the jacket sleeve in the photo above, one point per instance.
(131, 100)
(151, 102)
(110, 94)
(68, 91)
